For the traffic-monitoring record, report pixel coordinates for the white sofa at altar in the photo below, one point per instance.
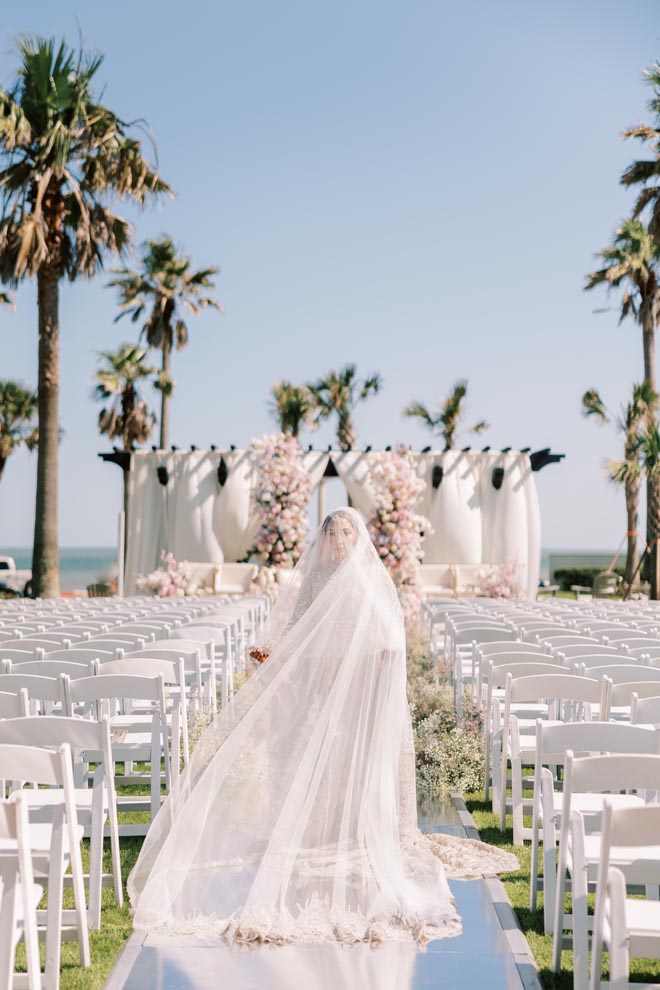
(449, 580)
(221, 579)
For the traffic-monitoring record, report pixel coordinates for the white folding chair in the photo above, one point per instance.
(495, 681)
(55, 845)
(645, 711)
(629, 927)
(134, 736)
(46, 694)
(13, 704)
(579, 851)
(88, 742)
(19, 897)
(568, 697)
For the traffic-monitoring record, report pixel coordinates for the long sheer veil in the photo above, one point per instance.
(296, 818)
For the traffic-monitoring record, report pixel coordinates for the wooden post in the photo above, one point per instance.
(322, 509)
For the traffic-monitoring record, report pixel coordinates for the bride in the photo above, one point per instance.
(296, 818)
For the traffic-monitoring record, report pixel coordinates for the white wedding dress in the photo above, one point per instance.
(296, 818)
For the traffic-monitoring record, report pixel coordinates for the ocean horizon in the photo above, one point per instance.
(80, 566)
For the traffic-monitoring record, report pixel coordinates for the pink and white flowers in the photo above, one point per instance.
(396, 529)
(282, 494)
(169, 581)
(498, 581)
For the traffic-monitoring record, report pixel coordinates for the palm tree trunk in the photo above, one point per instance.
(345, 432)
(165, 398)
(652, 480)
(632, 512)
(3, 461)
(45, 562)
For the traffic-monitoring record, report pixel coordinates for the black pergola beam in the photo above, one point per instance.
(539, 459)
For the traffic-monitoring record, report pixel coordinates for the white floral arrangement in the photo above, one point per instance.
(282, 494)
(396, 529)
(498, 581)
(169, 581)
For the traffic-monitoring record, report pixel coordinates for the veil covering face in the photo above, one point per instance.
(296, 817)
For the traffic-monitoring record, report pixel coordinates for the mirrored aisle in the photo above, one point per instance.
(481, 958)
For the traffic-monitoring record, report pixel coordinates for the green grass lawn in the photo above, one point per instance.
(517, 887)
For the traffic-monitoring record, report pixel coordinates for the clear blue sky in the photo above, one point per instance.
(418, 187)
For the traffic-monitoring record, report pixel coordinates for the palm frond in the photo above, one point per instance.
(593, 405)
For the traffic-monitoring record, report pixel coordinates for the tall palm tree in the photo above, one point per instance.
(62, 155)
(161, 290)
(627, 472)
(18, 427)
(446, 420)
(125, 412)
(338, 394)
(643, 171)
(291, 407)
(649, 454)
(631, 264)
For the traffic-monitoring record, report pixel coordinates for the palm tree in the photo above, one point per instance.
(164, 286)
(125, 412)
(627, 472)
(630, 264)
(18, 407)
(446, 420)
(62, 155)
(649, 454)
(291, 407)
(338, 394)
(643, 171)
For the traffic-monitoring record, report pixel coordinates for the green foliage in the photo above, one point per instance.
(292, 407)
(584, 576)
(338, 394)
(161, 290)
(448, 746)
(446, 420)
(62, 154)
(125, 412)
(18, 419)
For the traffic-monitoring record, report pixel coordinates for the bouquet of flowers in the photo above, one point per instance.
(498, 581)
(169, 581)
(396, 529)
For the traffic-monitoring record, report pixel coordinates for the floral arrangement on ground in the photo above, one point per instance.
(448, 745)
(169, 581)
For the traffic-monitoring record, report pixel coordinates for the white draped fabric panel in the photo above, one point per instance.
(353, 467)
(233, 517)
(510, 515)
(200, 520)
(453, 508)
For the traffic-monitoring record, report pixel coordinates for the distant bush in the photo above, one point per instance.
(566, 576)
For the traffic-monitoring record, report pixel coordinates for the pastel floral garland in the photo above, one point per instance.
(283, 492)
(396, 529)
(169, 581)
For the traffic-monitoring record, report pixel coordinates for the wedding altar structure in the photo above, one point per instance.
(199, 505)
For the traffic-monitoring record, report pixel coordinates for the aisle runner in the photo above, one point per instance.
(491, 952)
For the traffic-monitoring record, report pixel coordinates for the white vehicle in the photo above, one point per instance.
(11, 577)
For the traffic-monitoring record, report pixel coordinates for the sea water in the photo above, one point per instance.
(79, 566)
